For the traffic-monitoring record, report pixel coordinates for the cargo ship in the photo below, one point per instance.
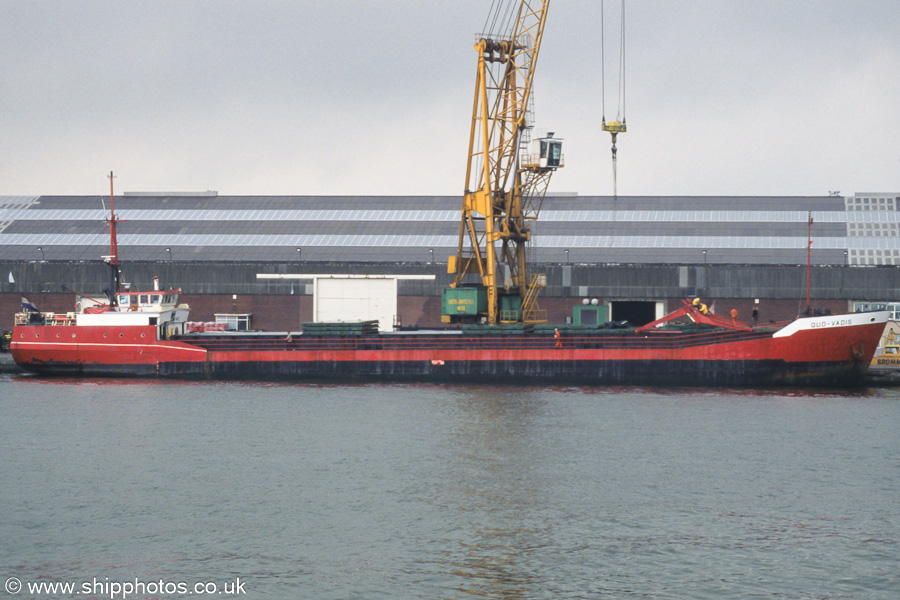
(147, 334)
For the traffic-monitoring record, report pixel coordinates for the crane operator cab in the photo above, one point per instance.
(545, 153)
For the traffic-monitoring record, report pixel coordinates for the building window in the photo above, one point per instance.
(235, 322)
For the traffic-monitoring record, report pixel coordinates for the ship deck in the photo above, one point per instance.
(662, 338)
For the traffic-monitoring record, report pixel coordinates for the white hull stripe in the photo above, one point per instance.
(831, 321)
(179, 348)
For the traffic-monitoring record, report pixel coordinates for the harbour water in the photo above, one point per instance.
(433, 492)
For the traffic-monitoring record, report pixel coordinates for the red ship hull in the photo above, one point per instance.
(813, 351)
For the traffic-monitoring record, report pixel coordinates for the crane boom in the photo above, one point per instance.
(504, 187)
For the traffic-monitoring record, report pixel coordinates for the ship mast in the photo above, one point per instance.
(808, 252)
(112, 260)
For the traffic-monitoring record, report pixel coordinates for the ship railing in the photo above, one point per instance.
(47, 318)
(60, 319)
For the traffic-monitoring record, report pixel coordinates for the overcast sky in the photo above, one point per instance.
(373, 97)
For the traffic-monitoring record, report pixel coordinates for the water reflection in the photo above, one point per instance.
(494, 481)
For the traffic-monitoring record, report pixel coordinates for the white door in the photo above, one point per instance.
(354, 300)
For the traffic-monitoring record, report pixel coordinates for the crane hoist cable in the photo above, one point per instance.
(618, 126)
(501, 18)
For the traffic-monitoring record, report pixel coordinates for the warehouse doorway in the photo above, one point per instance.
(636, 312)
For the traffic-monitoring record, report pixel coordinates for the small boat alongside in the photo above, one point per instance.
(885, 365)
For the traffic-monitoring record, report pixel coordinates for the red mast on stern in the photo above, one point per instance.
(113, 242)
(113, 258)
(808, 251)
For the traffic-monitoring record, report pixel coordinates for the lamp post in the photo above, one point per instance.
(846, 264)
(431, 250)
(169, 250)
(567, 256)
(300, 289)
(41, 250)
(703, 286)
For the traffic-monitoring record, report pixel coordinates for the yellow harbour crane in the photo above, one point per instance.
(507, 175)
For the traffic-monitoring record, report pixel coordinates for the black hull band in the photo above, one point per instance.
(668, 373)
(683, 373)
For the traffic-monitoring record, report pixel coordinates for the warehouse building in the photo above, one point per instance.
(253, 256)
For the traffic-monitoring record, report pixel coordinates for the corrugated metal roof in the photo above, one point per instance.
(379, 228)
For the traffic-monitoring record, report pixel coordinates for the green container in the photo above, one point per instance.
(332, 329)
(464, 301)
(589, 314)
